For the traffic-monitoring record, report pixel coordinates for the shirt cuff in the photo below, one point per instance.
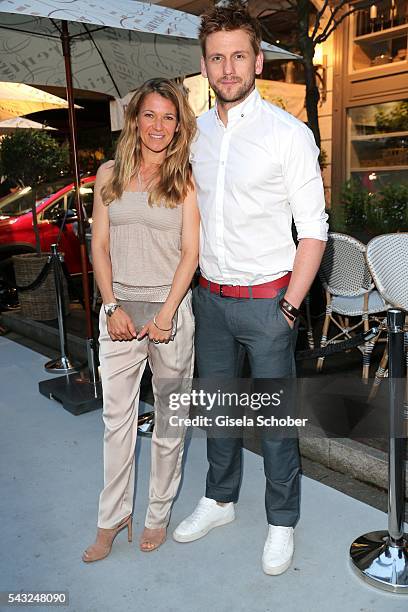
(313, 229)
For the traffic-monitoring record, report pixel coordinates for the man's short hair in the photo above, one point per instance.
(234, 16)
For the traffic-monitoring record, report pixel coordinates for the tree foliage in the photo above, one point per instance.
(380, 212)
(313, 26)
(32, 157)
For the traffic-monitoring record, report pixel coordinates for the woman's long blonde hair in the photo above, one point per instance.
(171, 184)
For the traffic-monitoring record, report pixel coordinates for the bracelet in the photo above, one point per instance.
(161, 329)
(288, 308)
(288, 315)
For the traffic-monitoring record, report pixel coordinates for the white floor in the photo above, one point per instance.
(51, 475)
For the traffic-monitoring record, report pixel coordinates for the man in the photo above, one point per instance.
(255, 167)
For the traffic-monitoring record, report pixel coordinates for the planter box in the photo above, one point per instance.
(40, 303)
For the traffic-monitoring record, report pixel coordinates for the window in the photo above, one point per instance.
(86, 192)
(52, 211)
(17, 203)
(380, 35)
(378, 143)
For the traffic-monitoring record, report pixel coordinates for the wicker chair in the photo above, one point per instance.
(387, 259)
(350, 292)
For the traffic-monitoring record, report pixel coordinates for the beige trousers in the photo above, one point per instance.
(122, 367)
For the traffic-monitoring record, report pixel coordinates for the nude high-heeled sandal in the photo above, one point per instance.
(152, 539)
(104, 540)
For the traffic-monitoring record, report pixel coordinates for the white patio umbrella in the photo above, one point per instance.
(17, 99)
(115, 45)
(21, 123)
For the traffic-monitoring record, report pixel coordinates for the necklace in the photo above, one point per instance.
(139, 182)
(144, 185)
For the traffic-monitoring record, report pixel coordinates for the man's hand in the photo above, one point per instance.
(120, 326)
(289, 321)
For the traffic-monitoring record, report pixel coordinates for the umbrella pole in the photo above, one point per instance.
(91, 348)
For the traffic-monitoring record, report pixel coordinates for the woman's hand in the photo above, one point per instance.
(158, 331)
(120, 326)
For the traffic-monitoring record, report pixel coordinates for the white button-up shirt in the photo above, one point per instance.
(251, 177)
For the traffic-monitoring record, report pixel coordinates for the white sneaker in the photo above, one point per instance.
(207, 515)
(278, 550)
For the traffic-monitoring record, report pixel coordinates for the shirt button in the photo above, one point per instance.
(242, 114)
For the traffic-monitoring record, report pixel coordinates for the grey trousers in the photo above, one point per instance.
(122, 367)
(226, 328)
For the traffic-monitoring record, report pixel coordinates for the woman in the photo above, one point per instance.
(144, 250)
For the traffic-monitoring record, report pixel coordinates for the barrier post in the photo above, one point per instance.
(381, 557)
(62, 363)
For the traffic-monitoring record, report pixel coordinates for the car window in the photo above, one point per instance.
(86, 198)
(56, 207)
(18, 203)
(87, 194)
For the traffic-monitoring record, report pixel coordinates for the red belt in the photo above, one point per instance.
(266, 290)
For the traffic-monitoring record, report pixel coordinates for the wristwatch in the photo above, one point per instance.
(110, 308)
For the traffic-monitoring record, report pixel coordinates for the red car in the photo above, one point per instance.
(16, 223)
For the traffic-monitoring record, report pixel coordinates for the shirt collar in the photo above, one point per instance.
(240, 111)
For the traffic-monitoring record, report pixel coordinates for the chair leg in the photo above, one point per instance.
(368, 350)
(379, 375)
(406, 408)
(406, 378)
(309, 326)
(325, 331)
(369, 346)
(382, 372)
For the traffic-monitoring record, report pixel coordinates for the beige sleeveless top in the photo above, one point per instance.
(145, 247)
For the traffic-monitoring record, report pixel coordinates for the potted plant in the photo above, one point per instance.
(391, 209)
(356, 202)
(364, 214)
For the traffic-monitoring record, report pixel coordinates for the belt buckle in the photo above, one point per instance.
(222, 290)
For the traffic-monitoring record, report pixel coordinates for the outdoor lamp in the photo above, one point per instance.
(320, 64)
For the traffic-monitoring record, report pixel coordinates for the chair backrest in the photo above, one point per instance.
(387, 258)
(344, 270)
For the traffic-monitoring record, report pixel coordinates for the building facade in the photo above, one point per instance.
(369, 92)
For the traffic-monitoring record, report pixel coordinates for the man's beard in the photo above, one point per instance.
(238, 95)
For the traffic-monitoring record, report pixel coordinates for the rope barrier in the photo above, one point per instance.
(325, 351)
(338, 347)
(38, 281)
(42, 276)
